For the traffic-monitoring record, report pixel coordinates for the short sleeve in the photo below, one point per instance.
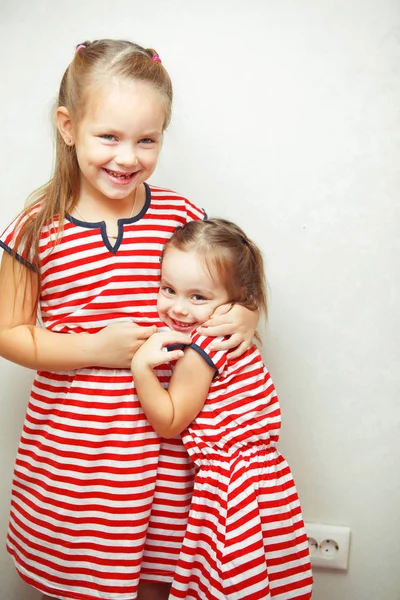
(172, 209)
(194, 213)
(10, 243)
(217, 359)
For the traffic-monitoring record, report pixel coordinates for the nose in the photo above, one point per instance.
(126, 155)
(180, 307)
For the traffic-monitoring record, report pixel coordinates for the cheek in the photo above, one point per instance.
(204, 313)
(150, 159)
(88, 154)
(161, 304)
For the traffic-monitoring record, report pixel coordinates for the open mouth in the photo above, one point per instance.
(182, 326)
(120, 177)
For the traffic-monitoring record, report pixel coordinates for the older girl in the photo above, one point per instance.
(96, 491)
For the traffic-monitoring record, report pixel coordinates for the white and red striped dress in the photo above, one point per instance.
(245, 537)
(95, 491)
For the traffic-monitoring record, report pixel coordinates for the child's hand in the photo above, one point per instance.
(235, 321)
(117, 343)
(154, 352)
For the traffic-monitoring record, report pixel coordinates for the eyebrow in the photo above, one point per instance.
(112, 129)
(200, 292)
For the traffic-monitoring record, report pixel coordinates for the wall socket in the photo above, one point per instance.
(329, 545)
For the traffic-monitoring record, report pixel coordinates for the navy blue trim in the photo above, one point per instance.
(197, 349)
(18, 257)
(205, 356)
(171, 347)
(205, 214)
(121, 222)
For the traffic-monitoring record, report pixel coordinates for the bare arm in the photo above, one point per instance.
(171, 410)
(22, 342)
(237, 323)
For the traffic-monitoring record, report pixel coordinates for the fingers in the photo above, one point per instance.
(227, 344)
(239, 350)
(173, 355)
(174, 337)
(143, 333)
(217, 328)
(221, 310)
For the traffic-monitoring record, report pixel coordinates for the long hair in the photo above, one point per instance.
(93, 63)
(230, 257)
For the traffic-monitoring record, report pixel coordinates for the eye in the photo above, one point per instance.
(199, 298)
(168, 291)
(109, 137)
(147, 141)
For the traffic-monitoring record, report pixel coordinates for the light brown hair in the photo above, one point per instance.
(93, 64)
(230, 256)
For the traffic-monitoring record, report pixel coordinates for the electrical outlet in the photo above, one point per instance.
(329, 545)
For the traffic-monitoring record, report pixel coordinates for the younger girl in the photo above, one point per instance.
(95, 490)
(245, 536)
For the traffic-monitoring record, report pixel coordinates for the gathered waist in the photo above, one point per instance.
(264, 450)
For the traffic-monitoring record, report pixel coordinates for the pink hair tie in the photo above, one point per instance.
(80, 47)
(156, 58)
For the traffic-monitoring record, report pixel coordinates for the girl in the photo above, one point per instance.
(245, 536)
(96, 491)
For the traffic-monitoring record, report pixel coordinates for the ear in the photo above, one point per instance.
(64, 125)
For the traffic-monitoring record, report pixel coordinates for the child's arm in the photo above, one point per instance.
(171, 410)
(37, 348)
(236, 322)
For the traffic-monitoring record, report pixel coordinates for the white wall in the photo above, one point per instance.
(286, 120)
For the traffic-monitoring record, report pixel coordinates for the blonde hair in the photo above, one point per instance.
(93, 62)
(230, 256)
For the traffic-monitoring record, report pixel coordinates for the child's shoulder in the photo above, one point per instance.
(18, 222)
(157, 191)
(13, 239)
(206, 342)
(168, 198)
(221, 360)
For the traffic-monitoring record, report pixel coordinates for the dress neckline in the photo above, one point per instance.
(101, 225)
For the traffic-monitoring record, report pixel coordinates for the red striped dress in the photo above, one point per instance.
(245, 537)
(95, 491)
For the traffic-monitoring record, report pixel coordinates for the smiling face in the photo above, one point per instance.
(119, 139)
(188, 294)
